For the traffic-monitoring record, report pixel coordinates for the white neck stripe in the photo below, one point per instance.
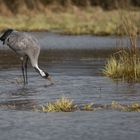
(40, 71)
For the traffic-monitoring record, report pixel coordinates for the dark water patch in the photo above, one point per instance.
(18, 105)
(8, 59)
(72, 54)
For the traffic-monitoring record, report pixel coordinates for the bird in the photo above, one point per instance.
(26, 47)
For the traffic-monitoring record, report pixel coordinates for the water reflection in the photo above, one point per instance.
(19, 99)
(27, 104)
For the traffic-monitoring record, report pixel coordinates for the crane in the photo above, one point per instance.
(26, 47)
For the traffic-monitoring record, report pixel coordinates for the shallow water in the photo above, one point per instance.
(56, 41)
(78, 75)
(72, 126)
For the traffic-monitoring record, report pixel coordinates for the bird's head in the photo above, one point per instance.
(5, 34)
(44, 74)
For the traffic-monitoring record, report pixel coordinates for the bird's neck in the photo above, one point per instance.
(41, 72)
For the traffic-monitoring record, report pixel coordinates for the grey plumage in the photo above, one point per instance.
(25, 46)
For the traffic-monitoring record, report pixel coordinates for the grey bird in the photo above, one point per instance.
(26, 47)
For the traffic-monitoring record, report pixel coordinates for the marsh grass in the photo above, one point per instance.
(88, 107)
(66, 105)
(125, 64)
(134, 107)
(61, 105)
(73, 21)
(117, 106)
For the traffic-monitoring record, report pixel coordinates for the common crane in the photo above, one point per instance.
(26, 47)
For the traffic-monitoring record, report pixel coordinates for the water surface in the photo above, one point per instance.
(78, 75)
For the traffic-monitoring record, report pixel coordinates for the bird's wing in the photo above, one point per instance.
(20, 41)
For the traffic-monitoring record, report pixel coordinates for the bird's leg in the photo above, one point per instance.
(22, 68)
(26, 62)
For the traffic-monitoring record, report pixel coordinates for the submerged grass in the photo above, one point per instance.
(134, 107)
(88, 107)
(72, 21)
(66, 105)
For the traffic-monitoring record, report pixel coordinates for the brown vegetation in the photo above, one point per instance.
(13, 7)
(96, 17)
(125, 64)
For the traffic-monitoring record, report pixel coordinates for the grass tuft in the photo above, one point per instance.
(124, 66)
(88, 107)
(117, 106)
(61, 105)
(135, 107)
